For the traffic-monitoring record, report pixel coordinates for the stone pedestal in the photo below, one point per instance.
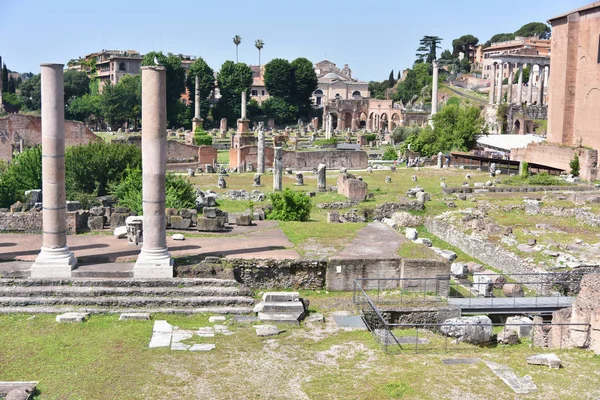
(243, 125)
(55, 260)
(154, 260)
(196, 122)
(322, 178)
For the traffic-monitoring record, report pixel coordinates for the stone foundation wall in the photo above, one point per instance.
(31, 222)
(559, 156)
(420, 315)
(354, 189)
(509, 189)
(273, 274)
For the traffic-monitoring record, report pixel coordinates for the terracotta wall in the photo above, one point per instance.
(557, 156)
(29, 128)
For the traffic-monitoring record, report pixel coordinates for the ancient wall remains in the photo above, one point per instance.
(31, 222)
(354, 189)
(28, 128)
(303, 161)
(559, 156)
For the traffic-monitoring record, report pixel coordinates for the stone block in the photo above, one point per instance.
(209, 224)
(217, 318)
(96, 222)
(483, 284)
(512, 290)
(120, 232)
(411, 234)
(550, 359)
(267, 330)
(118, 219)
(72, 317)
(178, 222)
(178, 236)
(210, 201)
(508, 337)
(243, 220)
(97, 211)
(474, 330)
(134, 317)
(209, 212)
(333, 217)
(459, 270)
(521, 325)
(73, 205)
(203, 347)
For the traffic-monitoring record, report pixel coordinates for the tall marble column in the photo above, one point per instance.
(500, 79)
(260, 167)
(277, 169)
(530, 84)
(541, 88)
(329, 126)
(493, 84)
(154, 260)
(197, 120)
(434, 90)
(55, 260)
(243, 122)
(511, 77)
(520, 86)
(244, 103)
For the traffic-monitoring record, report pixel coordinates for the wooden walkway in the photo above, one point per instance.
(508, 305)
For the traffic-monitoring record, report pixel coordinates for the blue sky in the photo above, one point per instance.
(373, 37)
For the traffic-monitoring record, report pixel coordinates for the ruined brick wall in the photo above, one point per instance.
(557, 156)
(302, 160)
(206, 154)
(352, 188)
(28, 128)
(181, 152)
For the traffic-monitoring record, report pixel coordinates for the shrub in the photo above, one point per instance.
(371, 137)
(201, 138)
(390, 153)
(321, 142)
(290, 206)
(524, 169)
(24, 173)
(574, 165)
(180, 193)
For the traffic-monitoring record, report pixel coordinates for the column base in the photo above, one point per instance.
(196, 122)
(53, 263)
(153, 264)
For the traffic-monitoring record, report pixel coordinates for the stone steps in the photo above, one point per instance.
(98, 291)
(129, 301)
(97, 295)
(128, 283)
(118, 310)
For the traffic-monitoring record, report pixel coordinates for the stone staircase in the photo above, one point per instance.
(116, 295)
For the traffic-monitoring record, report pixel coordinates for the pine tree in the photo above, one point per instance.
(391, 80)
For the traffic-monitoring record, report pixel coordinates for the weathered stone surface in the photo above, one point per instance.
(203, 347)
(178, 236)
(72, 317)
(483, 284)
(217, 318)
(459, 270)
(96, 223)
(521, 325)
(523, 385)
(267, 330)
(549, 359)
(474, 330)
(512, 290)
(243, 220)
(120, 232)
(411, 234)
(424, 241)
(406, 219)
(209, 224)
(584, 306)
(180, 223)
(333, 217)
(314, 317)
(508, 337)
(134, 317)
(161, 334)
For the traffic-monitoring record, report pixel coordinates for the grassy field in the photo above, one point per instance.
(104, 358)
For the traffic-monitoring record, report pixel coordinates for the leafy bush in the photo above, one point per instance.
(371, 137)
(574, 165)
(401, 133)
(180, 193)
(289, 206)
(201, 138)
(390, 153)
(524, 169)
(24, 173)
(541, 179)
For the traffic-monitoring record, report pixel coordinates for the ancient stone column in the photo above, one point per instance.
(244, 104)
(520, 86)
(530, 93)
(154, 260)
(197, 120)
(55, 260)
(541, 88)
(510, 83)
(434, 90)
(277, 169)
(299, 179)
(322, 178)
(223, 126)
(439, 160)
(500, 79)
(328, 126)
(260, 168)
(493, 84)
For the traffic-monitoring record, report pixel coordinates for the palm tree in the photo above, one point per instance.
(237, 39)
(259, 45)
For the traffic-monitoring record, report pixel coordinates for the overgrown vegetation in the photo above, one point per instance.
(202, 138)
(541, 179)
(321, 142)
(390, 153)
(574, 165)
(289, 205)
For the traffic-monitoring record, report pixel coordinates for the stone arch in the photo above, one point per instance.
(347, 120)
(362, 121)
(356, 95)
(334, 121)
(517, 127)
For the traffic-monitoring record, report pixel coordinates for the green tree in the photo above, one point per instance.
(463, 45)
(12, 102)
(427, 51)
(23, 173)
(390, 153)
(305, 83)
(416, 79)
(86, 108)
(259, 44)
(12, 85)
(31, 92)
(289, 205)
(207, 84)
(539, 29)
(391, 80)
(279, 79)
(279, 109)
(232, 79)
(574, 165)
(499, 37)
(77, 84)
(175, 81)
(121, 103)
(4, 77)
(237, 39)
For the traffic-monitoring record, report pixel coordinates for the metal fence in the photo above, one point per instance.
(377, 299)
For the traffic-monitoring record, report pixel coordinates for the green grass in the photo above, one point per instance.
(104, 358)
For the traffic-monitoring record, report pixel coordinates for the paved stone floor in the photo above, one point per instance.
(376, 240)
(263, 240)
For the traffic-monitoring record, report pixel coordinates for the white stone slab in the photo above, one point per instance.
(162, 326)
(267, 330)
(202, 347)
(160, 339)
(217, 318)
(134, 317)
(72, 317)
(206, 331)
(180, 346)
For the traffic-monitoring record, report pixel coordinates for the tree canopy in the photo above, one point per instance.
(543, 31)
(463, 45)
(175, 81)
(427, 51)
(233, 79)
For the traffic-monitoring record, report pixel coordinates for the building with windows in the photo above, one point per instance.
(335, 83)
(258, 91)
(110, 65)
(525, 46)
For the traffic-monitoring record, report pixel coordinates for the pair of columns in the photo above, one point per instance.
(55, 259)
(496, 94)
